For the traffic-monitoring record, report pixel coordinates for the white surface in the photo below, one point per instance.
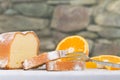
(63, 75)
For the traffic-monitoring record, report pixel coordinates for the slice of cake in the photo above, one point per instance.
(65, 65)
(15, 47)
(43, 58)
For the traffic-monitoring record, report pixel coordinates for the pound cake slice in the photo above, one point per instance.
(43, 58)
(15, 47)
(59, 65)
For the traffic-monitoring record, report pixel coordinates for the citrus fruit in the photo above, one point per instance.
(104, 58)
(92, 64)
(74, 43)
(109, 58)
(112, 59)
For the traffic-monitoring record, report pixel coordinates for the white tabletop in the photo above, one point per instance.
(94, 74)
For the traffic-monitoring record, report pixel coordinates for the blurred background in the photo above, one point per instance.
(96, 20)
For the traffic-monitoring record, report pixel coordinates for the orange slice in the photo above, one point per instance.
(110, 58)
(104, 58)
(74, 43)
(77, 43)
(92, 64)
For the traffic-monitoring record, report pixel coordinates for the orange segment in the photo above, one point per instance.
(77, 43)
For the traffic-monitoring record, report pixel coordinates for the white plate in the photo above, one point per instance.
(92, 74)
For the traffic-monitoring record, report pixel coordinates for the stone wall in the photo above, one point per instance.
(96, 20)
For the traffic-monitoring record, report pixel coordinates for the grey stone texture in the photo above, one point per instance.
(58, 36)
(110, 33)
(98, 21)
(104, 47)
(58, 2)
(94, 28)
(15, 23)
(114, 7)
(10, 12)
(87, 34)
(34, 9)
(91, 45)
(1, 10)
(44, 32)
(101, 7)
(27, 0)
(47, 44)
(108, 20)
(70, 18)
(83, 2)
(72, 2)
